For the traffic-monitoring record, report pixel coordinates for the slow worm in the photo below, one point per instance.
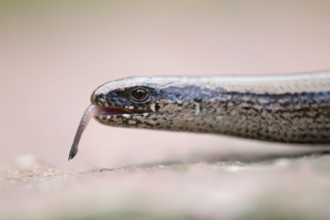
(291, 108)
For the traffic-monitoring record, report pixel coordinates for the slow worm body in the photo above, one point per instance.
(292, 108)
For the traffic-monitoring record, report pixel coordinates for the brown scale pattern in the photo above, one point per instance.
(296, 118)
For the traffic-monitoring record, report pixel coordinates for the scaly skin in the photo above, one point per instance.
(293, 108)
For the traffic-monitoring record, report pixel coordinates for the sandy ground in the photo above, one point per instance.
(52, 56)
(282, 188)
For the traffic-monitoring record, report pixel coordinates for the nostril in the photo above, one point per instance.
(101, 97)
(97, 98)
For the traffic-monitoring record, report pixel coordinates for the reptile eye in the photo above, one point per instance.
(140, 94)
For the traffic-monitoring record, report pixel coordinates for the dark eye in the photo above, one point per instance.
(140, 94)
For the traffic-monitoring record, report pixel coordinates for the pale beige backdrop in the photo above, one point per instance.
(54, 53)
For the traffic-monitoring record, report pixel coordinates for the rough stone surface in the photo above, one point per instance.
(283, 188)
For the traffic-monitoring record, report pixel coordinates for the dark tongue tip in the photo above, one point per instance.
(73, 152)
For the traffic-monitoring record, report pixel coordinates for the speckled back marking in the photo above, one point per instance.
(299, 117)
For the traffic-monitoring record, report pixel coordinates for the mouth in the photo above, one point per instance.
(108, 111)
(103, 113)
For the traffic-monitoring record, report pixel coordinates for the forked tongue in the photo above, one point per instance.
(90, 112)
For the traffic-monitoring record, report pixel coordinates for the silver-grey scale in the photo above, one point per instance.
(293, 110)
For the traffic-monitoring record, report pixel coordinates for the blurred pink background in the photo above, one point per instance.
(54, 54)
